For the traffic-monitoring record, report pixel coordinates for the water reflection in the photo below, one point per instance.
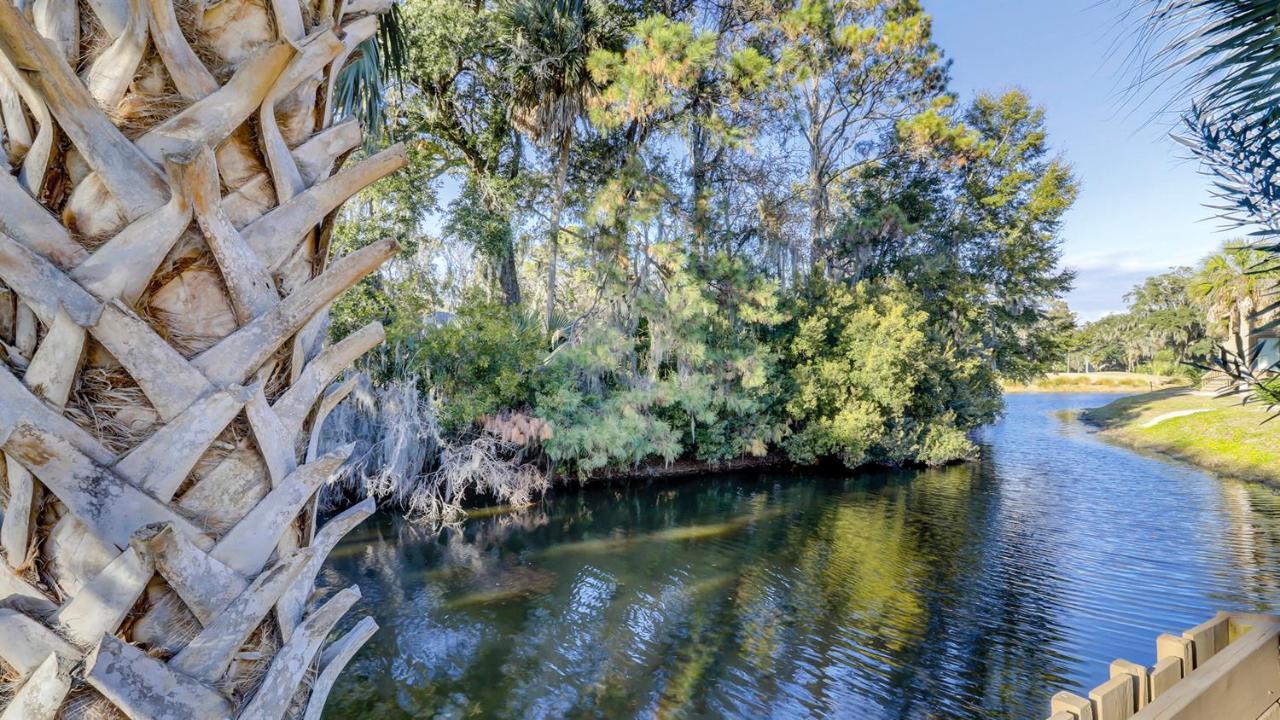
(937, 594)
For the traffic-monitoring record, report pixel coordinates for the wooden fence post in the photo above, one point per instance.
(1140, 682)
(1166, 673)
(1174, 646)
(1113, 699)
(1078, 707)
(1209, 637)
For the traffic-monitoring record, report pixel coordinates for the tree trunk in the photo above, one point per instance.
(504, 259)
(1245, 310)
(172, 282)
(698, 175)
(508, 280)
(818, 199)
(817, 217)
(553, 237)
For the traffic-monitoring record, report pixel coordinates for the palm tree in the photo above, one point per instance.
(164, 279)
(1231, 289)
(546, 46)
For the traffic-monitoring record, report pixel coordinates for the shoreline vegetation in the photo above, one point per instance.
(1218, 434)
(673, 247)
(1100, 382)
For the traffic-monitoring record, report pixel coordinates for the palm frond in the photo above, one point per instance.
(1228, 50)
(1240, 154)
(362, 86)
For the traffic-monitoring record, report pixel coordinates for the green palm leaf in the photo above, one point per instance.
(362, 84)
(1227, 50)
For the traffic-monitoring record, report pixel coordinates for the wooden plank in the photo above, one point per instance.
(1174, 646)
(1241, 681)
(1164, 675)
(1209, 637)
(1113, 699)
(1140, 683)
(1078, 707)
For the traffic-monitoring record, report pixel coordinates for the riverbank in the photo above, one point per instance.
(1094, 382)
(1217, 434)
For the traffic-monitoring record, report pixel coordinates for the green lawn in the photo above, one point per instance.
(1222, 435)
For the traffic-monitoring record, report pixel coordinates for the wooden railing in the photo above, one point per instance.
(1225, 669)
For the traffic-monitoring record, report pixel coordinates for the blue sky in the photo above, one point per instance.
(1141, 202)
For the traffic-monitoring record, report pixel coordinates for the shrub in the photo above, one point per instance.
(692, 375)
(870, 384)
(479, 361)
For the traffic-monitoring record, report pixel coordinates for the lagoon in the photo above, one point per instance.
(976, 590)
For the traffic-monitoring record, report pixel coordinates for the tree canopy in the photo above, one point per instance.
(723, 208)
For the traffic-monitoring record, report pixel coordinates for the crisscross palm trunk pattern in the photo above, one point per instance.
(172, 175)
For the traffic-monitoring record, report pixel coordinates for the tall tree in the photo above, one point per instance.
(967, 206)
(458, 101)
(846, 72)
(164, 282)
(1231, 289)
(546, 45)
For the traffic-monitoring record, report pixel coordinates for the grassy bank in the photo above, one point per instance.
(1117, 382)
(1218, 434)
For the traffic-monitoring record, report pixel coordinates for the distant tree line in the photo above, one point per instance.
(1175, 321)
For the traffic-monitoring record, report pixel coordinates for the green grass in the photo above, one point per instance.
(1119, 382)
(1229, 438)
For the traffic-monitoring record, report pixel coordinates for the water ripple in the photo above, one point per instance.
(953, 593)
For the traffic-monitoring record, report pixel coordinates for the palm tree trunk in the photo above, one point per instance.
(159, 535)
(553, 238)
(1245, 310)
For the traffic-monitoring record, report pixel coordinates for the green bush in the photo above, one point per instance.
(868, 383)
(479, 361)
(694, 378)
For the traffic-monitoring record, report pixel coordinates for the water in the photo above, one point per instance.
(965, 592)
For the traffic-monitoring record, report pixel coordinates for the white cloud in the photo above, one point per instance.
(1103, 278)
